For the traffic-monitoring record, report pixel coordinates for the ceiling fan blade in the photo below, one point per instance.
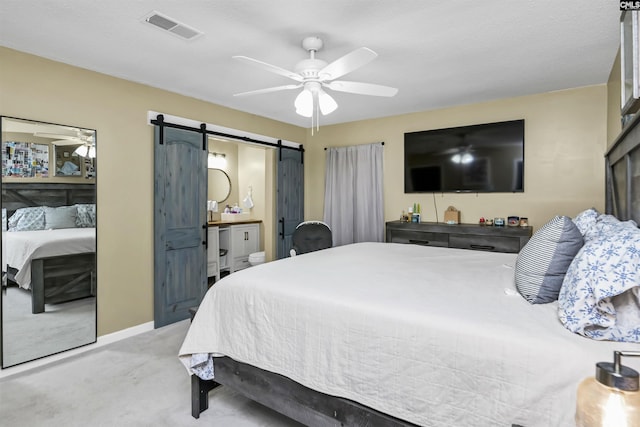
(55, 135)
(361, 88)
(347, 63)
(268, 67)
(69, 141)
(268, 90)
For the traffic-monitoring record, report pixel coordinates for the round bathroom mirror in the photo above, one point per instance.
(219, 185)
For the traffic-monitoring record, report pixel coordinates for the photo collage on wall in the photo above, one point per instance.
(25, 160)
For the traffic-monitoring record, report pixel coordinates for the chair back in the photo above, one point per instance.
(311, 236)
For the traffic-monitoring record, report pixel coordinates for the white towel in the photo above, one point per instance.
(212, 205)
(247, 202)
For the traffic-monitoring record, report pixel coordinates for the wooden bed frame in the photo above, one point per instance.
(317, 409)
(61, 278)
(286, 396)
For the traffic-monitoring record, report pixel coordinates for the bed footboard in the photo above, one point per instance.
(61, 279)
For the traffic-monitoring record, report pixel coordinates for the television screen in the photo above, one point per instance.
(481, 158)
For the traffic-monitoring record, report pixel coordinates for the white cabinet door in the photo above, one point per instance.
(245, 239)
(213, 253)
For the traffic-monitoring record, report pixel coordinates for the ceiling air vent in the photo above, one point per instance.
(171, 25)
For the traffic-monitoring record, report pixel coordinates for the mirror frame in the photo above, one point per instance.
(228, 180)
(59, 191)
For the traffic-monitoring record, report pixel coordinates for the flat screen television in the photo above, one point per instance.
(484, 158)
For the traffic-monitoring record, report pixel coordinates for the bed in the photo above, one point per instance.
(394, 341)
(382, 334)
(49, 246)
(56, 265)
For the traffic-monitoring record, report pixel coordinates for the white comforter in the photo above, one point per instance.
(24, 246)
(434, 336)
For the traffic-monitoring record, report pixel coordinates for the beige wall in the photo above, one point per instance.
(39, 89)
(566, 134)
(565, 139)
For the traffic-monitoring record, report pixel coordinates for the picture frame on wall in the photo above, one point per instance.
(68, 163)
(25, 160)
(630, 62)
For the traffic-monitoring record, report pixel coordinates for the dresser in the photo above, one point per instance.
(461, 236)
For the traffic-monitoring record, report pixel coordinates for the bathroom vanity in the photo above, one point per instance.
(230, 244)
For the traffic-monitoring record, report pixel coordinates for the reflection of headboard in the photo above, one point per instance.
(21, 195)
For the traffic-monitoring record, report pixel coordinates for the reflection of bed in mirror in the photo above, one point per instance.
(50, 242)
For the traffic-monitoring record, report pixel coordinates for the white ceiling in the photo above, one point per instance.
(438, 53)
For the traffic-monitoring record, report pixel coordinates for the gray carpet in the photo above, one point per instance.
(138, 381)
(27, 336)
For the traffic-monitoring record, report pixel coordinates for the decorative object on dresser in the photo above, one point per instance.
(462, 236)
(452, 215)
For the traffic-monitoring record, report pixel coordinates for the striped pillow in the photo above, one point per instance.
(545, 259)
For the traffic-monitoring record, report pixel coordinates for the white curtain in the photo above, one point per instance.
(353, 204)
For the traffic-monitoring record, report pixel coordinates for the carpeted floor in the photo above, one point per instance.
(27, 336)
(138, 381)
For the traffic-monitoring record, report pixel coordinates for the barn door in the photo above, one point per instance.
(290, 188)
(180, 276)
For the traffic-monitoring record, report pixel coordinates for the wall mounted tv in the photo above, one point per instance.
(485, 158)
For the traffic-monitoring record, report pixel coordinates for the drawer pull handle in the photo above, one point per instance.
(419, 242)
(483, 247)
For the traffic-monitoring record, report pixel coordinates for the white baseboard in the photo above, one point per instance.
(102, 341)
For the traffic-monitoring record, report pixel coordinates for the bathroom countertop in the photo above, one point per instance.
(221, 223)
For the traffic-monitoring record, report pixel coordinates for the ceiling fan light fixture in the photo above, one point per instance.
(82, 151)
(327, 104)
(304, 103)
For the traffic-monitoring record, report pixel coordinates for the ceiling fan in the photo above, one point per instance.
(73, 137)
(313, 75)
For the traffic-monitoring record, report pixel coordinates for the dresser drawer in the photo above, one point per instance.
(484, 243)
(420, 238)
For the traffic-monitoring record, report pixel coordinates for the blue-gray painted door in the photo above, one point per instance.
(180, 276)
(290, 188)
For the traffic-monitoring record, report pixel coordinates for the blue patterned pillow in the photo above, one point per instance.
(600, 295)
(544, 260)
(585, 220)
(86, 215)
(27, 219)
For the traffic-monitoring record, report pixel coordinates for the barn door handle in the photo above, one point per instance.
(281, 221)
(205, 242)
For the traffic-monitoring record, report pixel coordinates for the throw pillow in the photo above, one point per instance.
(585, 220)
(61, 217)
(86, 215)
(543, 262)
(27, 219)
(600, 296)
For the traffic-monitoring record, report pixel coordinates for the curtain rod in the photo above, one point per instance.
(159, 121)
(381, 143)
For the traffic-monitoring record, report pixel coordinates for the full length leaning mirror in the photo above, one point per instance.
(49, 286)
